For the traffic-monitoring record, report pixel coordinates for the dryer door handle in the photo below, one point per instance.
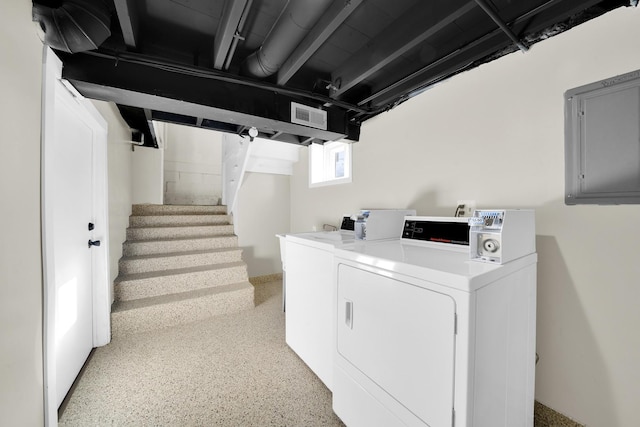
(348, 313)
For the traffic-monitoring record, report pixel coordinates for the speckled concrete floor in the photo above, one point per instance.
(232, 370)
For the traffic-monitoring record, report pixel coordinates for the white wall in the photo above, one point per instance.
(263, 208)
(147, 170)
(192, 166)
(120, 182)
(496, 135)
(21, 376)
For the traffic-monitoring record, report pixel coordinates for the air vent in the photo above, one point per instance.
(305, 115)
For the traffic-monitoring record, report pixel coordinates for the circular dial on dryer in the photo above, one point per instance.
(491, 245)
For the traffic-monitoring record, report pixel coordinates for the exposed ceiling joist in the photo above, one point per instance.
(535, 20)
(418, 25)
(148, 113)
(456, 60)
(227, 30)
(228, 65)
(501, 24)
(128, 18)
(139, 120)
(337, 13)
(275, 135)
(306, 141)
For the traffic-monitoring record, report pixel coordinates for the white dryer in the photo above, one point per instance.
(309, 286)
(427, 337)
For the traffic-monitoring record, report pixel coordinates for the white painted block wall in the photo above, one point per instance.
(192, 166)
(147, 170)
(21, 372)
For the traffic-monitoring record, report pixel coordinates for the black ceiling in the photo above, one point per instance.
(234, 64)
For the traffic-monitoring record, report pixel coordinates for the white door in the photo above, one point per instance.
(72, 212)
(77, 294)
(401, 337)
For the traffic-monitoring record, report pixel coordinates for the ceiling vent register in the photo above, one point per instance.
(305, 115)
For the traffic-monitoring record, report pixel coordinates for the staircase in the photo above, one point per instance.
(180, 264)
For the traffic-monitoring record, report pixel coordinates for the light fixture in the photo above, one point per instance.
(253, 132)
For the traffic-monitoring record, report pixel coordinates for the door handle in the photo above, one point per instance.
(348, 314)
(94, 243)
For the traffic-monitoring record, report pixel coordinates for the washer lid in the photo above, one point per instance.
(326, 240)
(447, 265)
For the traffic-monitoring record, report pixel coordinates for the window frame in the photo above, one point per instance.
(328, 151)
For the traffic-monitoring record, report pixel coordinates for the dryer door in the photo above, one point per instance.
(401, 337)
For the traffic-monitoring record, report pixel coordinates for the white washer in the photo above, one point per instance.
(427, 337)
(309, 290)
(309, 286)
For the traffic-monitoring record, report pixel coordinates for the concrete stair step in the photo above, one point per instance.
(180, 264)
(169, 231)
(149, 209)
(160, 220)
(130, 287)
(130, 317)
(175, 260)
(179, 244)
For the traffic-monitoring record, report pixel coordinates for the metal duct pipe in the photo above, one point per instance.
(293, 24)
(73, 25)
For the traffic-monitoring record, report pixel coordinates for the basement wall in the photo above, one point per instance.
(496, 135)
(192, 166)
(21, 374)
(119, 180)
(262, 211)
(147, 170)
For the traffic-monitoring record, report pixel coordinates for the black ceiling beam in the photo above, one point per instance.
(149, 116)
(335, 15)
(501, 24)
(160, 87)
(535, 21)
(179, 119)
(129, 23)
(418, 24)
(446, 66)
(137, 120)
(231, 15)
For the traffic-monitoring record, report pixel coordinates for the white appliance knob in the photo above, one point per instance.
(491, 245)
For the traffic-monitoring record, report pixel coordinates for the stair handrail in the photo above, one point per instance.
(236, 151)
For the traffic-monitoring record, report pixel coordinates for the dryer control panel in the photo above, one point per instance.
(501, 235)
(443, 230)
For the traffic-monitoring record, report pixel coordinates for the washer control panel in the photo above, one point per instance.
(499, 236)
(451, 231)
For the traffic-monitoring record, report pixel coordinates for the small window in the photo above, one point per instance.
(329, 163)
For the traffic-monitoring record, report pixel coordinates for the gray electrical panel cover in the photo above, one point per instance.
(602, 142)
